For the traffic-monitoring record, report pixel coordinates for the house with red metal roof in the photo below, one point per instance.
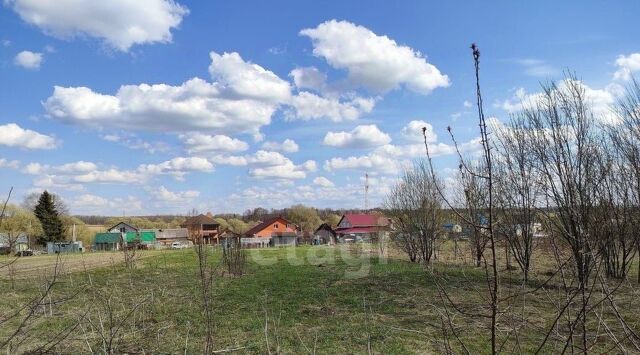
(365, 227)
(273, 231)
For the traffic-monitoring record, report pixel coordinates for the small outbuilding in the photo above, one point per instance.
(324, 235)
(284, 239)
(168, 236)
(64, 247)
(15, 244)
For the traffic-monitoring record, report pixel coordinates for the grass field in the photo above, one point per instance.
(292, 300)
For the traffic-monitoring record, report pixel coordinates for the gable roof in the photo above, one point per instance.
(325, 226)
(260, 226)
(364, 220)
(125, 223)
(198, 220)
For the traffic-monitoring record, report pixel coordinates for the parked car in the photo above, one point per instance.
(27, 252)
(178, 245)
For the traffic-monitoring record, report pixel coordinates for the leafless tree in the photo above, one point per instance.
(474, 200)
(129, 251)
(565, 146)
(625, 137)
(479, 188)
(518, 191)
(206, 276)
(614, 225)
(31, 200)
(414, 205)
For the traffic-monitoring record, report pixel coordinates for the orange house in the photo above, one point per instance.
(271, 227)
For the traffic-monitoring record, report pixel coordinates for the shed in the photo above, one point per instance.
(324, 235)
(255, 242)
(170, 235)
(365, 227)
(284, 239)
(64, 247)
(8, 242)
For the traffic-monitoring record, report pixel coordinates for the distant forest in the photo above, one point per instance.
(250, 215)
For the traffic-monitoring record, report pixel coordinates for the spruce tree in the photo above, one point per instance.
(49, 217)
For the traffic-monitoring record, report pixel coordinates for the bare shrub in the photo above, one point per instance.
(519, 191)
(206, 276)
(234, 257)
(414, 206)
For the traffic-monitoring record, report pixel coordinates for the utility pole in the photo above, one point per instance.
(366, 191)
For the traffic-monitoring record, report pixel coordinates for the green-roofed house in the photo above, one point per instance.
(116, 241)
(108, 241)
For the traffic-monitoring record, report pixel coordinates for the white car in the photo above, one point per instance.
(178, 245)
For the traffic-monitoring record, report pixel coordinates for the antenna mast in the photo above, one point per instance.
(366, 191)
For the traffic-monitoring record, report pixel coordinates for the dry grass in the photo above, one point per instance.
(306, 303)
(35, 266)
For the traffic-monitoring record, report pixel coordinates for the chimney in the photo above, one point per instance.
(209, 214)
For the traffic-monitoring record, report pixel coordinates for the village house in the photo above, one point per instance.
(168, 236)
(123, 234)
(275, 231)
(202, 229)
(324, 235)
(122, 227)
(116, 241)
(362, 227)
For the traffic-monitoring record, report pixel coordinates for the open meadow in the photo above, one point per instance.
(321, 299)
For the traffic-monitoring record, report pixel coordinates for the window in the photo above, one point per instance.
(275, 226)
(123, 229)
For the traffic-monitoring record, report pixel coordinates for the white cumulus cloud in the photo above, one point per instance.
(287, 146)
(13, 135)
(627, 65)
(121, 23)
(364, 136)
(599, 99)
(323, 181)
(247, 80)
(242, 98)
(177, 167)
(165, 195)
(370, 162)
(273, 165)
(28, 60)
(308, 106)
(413, 131)
(199, 142)
(375, 62)
(11, 164)
(309, 78)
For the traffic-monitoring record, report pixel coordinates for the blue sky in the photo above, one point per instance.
(142, 107)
